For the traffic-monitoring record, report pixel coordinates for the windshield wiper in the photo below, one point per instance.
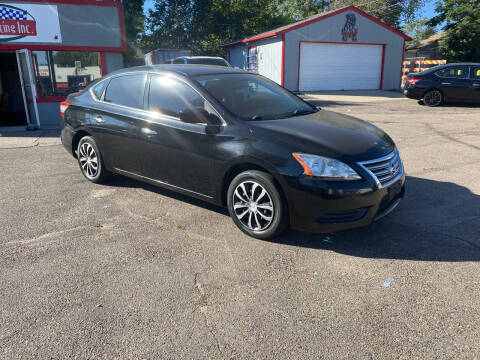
(256, 117)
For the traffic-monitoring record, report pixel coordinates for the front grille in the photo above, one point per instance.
(386, 169)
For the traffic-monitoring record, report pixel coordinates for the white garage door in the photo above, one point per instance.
(339, 66)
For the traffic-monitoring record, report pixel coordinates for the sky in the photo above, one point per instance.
(429, 8)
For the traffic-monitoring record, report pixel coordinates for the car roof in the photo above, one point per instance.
(440, 67)
(187, 70)
(199, 57)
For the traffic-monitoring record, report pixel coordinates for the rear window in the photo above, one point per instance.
(126, 90)
(207, 61)
(453, 72)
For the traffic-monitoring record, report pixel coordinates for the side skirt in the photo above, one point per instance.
(165, 185)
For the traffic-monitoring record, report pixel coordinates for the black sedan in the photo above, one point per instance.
(235, 139)
(455, 83)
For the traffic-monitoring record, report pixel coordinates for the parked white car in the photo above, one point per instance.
(203, 60)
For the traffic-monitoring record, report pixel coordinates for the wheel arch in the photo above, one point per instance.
(76, 139)
(245, 165)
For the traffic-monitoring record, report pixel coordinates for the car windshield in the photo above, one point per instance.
(252, 97)
(208, 61)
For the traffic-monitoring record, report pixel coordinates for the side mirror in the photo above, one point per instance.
(213, 119)
(214, 125)
(194, 116)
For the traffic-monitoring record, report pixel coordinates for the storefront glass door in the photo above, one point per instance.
(29, 91)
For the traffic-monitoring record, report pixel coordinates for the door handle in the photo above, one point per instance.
(476, 85)
(99, 119)
(445, 83)
(148, 131)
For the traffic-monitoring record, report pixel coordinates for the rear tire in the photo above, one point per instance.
(256, 205)
(90, 161)
(433, 98)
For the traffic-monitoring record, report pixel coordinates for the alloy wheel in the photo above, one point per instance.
(433, 98)
(253, 205)
(88, 160)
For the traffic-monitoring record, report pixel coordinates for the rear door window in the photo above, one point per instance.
(169, 96)
(179, 61)
(476, 73)
(126, 90)
(460, 72)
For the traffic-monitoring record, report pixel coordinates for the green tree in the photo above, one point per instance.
(203, 25)
(461, 41)
(392, 12)
(134, 27)
(418, 29)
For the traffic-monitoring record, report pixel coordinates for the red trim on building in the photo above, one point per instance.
(272, 34)
(123, 32)
(50, 99)
(282, 68)
(47, 47)
(341, 43)
(102, 61)
(401, 66)
(383, 64)
(294, 27)
(326, 16)
(379, 22)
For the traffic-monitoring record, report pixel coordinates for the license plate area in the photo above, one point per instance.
(394, 190)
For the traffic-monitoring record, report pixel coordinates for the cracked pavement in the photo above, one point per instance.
(127, 270)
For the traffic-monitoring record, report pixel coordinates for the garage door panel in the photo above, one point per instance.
(339, 66)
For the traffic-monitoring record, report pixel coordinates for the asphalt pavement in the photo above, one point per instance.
(127, 270)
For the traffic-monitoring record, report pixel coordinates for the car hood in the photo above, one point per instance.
(329, 134)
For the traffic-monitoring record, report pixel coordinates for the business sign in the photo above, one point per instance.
(29, 23)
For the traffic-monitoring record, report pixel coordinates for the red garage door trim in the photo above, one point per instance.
(339, 43)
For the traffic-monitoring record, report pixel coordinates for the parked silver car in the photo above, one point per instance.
(199, 60)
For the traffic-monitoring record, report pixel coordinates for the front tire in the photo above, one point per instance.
(90, 161)
(433, 98)
(256, 205)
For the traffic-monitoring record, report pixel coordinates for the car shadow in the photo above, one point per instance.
(436, 221)
(331, 103)
(462, 105)
(390, 94)
(22, 132)
(123, 181)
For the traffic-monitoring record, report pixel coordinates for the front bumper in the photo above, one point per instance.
(326, 206)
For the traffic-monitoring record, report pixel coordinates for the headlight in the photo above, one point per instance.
(326, 168)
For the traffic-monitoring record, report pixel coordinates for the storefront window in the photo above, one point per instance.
(59, 73)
